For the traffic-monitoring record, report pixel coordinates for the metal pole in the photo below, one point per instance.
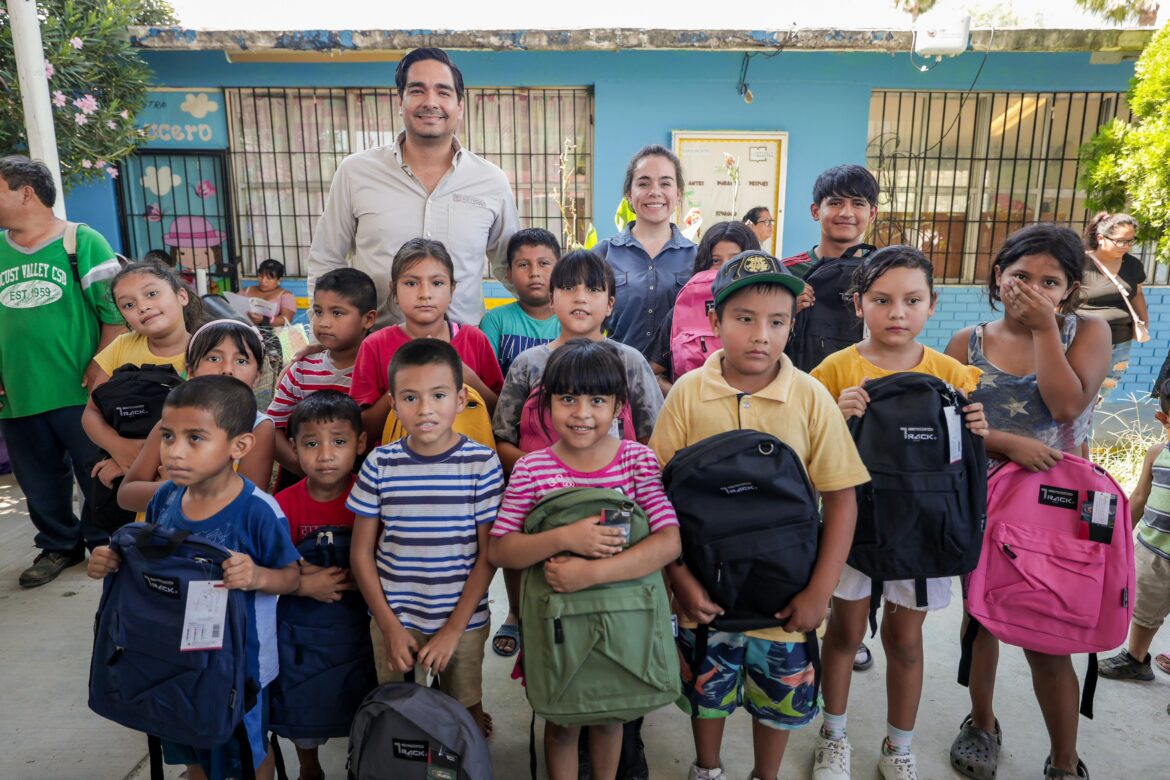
(34, 91)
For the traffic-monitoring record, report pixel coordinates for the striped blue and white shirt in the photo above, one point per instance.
(430, 508)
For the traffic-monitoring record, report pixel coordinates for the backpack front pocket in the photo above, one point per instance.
(607, 636)
(755, 575)
(1043, 580)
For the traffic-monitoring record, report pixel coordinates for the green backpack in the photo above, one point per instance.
(601, 655)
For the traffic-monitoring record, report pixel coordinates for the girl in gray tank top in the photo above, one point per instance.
(1035, 275)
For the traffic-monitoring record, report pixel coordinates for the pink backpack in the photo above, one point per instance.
(1056, 573)
(691, 339)
(537, 432)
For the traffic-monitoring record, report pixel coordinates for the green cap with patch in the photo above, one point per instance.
(753, 267)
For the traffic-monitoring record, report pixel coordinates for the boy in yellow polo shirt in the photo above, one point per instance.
(751, 384)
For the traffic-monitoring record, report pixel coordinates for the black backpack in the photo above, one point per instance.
(326, 659)
(131, 401)
(749, 524)
(923, 512)
(831, 324)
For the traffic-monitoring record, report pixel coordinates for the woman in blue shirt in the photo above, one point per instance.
(651, 259)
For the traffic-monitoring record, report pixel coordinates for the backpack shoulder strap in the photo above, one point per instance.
(70, 241)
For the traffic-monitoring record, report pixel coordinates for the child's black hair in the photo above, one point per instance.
(243, 336)
(426, 352)
(161, 256)
(415, 251)
(270, 267)
(736, 232)
(193, 315)
(532, 237)
(1045, 238)
(229, 401)
(325, 406)
(758, 287)
(355, 286)
(583, 367)
(846, 181)
(894, 256)
(581, 266)
(1163, 396)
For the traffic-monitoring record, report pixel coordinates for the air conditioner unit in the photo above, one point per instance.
(942, 37)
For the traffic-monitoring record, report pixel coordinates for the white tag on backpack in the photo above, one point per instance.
(954, 433)
(204, 616)
(1102, 508)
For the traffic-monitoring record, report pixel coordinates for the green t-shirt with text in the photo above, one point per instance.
(49, 324)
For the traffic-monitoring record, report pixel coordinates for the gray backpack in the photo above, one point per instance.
(404, 731)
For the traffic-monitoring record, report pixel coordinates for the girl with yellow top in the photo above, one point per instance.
(894, 295)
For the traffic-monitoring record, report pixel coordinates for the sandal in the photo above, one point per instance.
(507, 640)
(863, 660)
(1162, 661)
(1050, 771)
(975, 752)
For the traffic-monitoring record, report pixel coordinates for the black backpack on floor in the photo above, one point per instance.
(831, 324)
(923, 512)
(749, 524)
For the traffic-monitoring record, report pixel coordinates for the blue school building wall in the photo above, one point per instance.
(821, 99)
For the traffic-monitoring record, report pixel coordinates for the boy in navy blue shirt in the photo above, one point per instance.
(206, 428)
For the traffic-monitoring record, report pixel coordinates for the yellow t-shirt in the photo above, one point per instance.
(848, 368)
(794, 408)
(133, 348)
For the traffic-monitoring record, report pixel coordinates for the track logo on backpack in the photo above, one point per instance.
(1062, 498)
(411, 750)
(919, 434)
(167, 586)
(739, 487)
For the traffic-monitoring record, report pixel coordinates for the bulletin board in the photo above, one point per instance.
(729, 172)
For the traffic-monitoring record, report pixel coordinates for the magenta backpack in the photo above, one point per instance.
(691, 338)
(537, 432)
(1056, 573)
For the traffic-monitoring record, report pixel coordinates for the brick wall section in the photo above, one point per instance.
(963, 305)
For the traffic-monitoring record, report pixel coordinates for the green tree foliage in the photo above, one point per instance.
(1142, 12)
(1126, 166)
(97, 82)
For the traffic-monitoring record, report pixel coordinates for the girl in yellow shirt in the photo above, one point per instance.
(894, 295)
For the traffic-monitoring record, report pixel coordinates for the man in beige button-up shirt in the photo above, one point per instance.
(423, 185)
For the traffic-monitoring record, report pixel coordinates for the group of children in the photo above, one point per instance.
(435, 512)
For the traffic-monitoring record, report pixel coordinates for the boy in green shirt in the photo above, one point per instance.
(528, 321)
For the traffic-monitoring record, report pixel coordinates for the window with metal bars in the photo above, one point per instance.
(286, 144)
(960, 171)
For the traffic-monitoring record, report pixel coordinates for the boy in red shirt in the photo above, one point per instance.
(325, 430)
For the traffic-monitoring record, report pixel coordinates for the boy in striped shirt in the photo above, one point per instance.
(424, 506)
(345, 303)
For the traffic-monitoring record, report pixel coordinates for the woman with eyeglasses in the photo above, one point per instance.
(1112, 287)
(760, 220)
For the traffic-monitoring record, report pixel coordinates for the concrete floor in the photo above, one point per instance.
(48, 731)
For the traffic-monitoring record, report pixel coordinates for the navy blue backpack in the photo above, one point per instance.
(138, 676)
(326, 658)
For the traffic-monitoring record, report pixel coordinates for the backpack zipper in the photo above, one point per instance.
(703, 344)
(558, 631)
(1007, 549)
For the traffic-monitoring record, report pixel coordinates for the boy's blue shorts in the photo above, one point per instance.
(772, 680)
(224, 761)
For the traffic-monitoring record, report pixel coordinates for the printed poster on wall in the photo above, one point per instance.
(728, 173)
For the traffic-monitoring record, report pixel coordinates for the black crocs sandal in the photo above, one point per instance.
(1050, 771)
(975, 752)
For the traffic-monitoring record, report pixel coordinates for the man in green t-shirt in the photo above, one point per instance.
(53, 318)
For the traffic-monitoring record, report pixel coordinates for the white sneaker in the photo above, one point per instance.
(897, 767)
(831, 758)
(698, 773)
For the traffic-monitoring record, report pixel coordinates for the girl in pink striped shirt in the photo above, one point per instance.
(583, 389)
